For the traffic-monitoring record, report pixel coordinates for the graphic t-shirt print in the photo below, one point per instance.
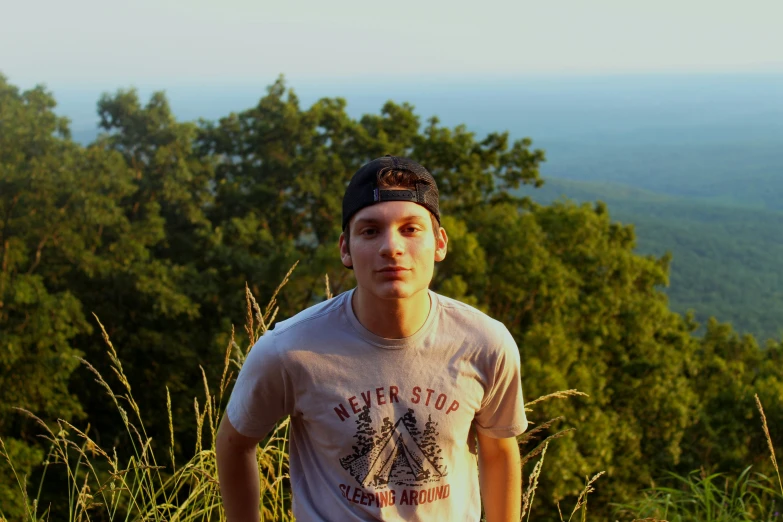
(402, 452)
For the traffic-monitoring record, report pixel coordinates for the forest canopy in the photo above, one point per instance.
(157, 226)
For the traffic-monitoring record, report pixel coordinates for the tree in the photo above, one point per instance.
(154, 289)
(727, 372)
(157, 226)
(55, 197)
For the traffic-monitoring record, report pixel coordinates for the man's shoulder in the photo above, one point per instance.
(311, 318)
(462, 316)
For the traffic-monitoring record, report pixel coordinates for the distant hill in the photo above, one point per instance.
(727, 259)
(745, 169)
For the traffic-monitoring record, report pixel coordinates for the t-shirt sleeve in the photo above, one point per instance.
(502, 412)
(263, 393)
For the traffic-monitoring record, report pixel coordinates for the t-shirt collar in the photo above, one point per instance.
(383, 342)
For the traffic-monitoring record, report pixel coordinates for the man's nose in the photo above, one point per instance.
(391, 245)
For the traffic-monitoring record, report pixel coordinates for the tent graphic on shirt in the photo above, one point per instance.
(400, 454)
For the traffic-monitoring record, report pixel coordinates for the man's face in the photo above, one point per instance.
(393, 249)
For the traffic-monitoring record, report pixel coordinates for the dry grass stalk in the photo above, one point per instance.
(171, 428)
(556, 395)
(223, 382)
(252, 310)
(208, 406)
(99, 379)
(328, 290)
(38, 421)
(91, 445)
(274, 316)
(528, 436)
(769, 441)
(117, 367)
(582, 499)
(273, 301)
(527, 496)
(59, 454)
(141, 436)
(199, 424)
(266, 319)
(541, 447)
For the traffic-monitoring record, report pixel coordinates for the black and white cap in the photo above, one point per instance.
(363, 190)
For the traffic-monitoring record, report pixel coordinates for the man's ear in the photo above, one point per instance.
(441, 246)
(345, 252)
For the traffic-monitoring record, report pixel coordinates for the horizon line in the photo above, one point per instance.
(370, 78)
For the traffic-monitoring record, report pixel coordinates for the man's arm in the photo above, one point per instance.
(237, 473)
(500, 478)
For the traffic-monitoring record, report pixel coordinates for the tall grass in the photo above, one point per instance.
(101, 485)
(703, 497)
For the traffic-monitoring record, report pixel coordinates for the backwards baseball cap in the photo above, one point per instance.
(364, 189)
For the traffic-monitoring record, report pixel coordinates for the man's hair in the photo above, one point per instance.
(396, 178)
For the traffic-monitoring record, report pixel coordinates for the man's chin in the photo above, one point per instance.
(394, 290)
(395, 294)
(401, 292)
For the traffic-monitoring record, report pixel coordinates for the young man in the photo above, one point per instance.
(389, 386)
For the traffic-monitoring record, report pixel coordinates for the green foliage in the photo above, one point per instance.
(587, 314)
(725, 258)
(39, 314)
(699, 497)
(159, 224)
(13, 481)
(99, 485)
(729, 371)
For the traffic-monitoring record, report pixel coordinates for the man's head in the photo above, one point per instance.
(390, 178)
(391, 227)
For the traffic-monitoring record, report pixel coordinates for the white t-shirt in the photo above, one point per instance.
(382, 429)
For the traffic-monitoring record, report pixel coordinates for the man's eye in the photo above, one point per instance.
(367, 232)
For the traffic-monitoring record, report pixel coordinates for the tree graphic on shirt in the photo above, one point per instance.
(429, 444)
(409, 419)
(387, 427)
(399, 454)
(365, 436)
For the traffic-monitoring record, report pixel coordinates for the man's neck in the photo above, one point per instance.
(392, 318)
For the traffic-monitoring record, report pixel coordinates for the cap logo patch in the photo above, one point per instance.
(397, 195)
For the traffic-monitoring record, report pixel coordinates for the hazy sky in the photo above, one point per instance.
(162, 42)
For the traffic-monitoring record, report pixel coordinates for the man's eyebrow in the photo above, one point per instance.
(373, 221)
